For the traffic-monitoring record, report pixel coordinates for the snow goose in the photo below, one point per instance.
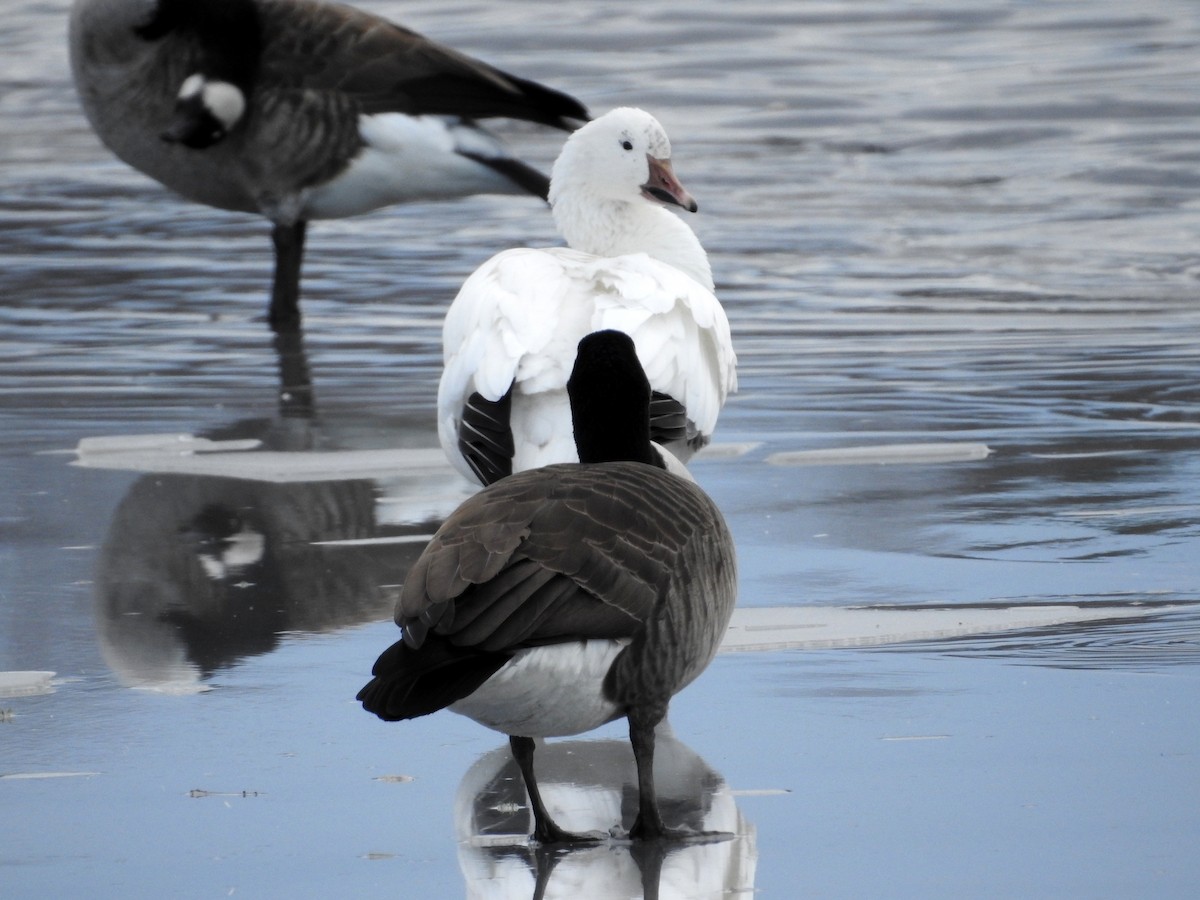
(297, 110)
(509, 336)
(564, 597)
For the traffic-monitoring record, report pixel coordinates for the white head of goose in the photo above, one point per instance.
(298, 110)
(632, 265)
(564, 597)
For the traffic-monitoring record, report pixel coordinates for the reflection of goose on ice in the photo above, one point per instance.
(589, 785)
(210, 558)
(198, 571)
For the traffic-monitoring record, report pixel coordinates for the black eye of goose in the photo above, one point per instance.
(627, 145)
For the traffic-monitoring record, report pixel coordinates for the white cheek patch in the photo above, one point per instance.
(191, 86)
(224, 101)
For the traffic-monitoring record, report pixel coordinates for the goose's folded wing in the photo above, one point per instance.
(511, 311)
(388, 68)
(679, 328)
(517, 318)
(560, 553)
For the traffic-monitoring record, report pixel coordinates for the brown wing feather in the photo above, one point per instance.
(387, 68)
(558, 553)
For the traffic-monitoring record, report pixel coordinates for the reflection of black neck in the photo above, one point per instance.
(295, 383)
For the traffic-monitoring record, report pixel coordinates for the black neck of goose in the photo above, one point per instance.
(606, 438)
(610, 402)
(228, 33)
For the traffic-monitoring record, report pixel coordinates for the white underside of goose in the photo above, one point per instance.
(517, 320)
(549, 691)
(671, 463)
(409, 158)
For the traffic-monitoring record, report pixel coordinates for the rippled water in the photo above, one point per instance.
(930, 223)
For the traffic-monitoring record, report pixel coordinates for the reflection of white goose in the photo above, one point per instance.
(568, 596)
(588, 785)
(509, 337)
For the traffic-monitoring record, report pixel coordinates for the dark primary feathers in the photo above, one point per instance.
(485, 437)
(407, 685)
(388, 68)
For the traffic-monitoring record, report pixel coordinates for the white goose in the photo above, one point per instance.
(568, 596)
(510, 335)
(297, 110)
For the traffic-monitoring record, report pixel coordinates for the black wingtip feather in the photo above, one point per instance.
(485, 437)
(562, 110)
(469, 97)
(411, 683)
(523, 176)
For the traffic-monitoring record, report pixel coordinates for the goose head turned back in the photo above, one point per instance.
(563, 597)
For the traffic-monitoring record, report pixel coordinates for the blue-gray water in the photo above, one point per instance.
(930, 223)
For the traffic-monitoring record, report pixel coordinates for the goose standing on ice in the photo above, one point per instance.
(564, 597)
(297, 110)
(509, 337)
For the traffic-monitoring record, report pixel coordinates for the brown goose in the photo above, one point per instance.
(297, 110)
(564, 597)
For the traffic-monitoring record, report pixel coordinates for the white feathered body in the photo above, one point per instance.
(518, 319)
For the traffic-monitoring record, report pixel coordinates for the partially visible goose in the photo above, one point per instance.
(564, 597)
(509, 336)
(297, 110)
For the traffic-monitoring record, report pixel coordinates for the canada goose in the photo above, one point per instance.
(509, 337)
(564, 597)
(297, 110)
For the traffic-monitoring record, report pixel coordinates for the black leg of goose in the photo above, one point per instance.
(649, 824)
(284, 314)
(545, 831)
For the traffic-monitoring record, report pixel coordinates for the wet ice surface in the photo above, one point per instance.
(934, 226)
